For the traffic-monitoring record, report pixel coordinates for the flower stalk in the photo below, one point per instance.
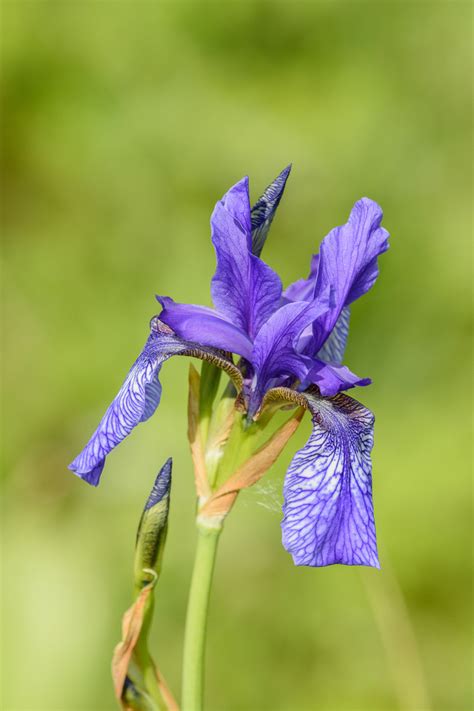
(197, 615)
(226, 459)
(281, 348)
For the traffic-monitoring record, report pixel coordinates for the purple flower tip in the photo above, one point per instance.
(91, 476)
(162, 485)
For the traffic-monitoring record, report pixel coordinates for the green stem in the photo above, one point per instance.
(196, 620)
(145, 662)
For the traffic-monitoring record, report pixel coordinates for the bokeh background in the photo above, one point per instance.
(123, 123)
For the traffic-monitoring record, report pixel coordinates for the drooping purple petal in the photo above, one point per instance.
(263, 211)
(332, 378)
(135, 402)
(204, 325)
(244, 289)
(348, 262)
(328, 510)
(138, 397)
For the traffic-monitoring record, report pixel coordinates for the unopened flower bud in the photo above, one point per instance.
(152, 529)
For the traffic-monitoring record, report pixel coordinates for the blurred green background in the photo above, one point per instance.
(123, 123)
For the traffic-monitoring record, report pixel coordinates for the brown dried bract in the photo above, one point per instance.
(220, 503)
(131, 627)
(194, 435)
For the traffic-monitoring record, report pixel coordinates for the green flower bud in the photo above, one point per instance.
(152, 529)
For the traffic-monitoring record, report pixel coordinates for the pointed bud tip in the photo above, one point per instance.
(162, 485)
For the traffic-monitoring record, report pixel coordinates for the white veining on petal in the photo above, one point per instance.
(138, 398)
(328, 511)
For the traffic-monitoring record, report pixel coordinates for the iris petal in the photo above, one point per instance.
(328, 510)
(348, 262)
(335, 346)
(138, 398)
(135, 402)
(244, 289)
(274, 352)
(331, 378)
(204, 325)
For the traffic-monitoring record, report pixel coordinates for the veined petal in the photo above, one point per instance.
(332, 378)
(204, 325)
(135, 402)
(236, 203)
(263, 211)
(348, 262)
(334, 348)
(274, 347)
(138, 397)
(245, 290)
(328, 510)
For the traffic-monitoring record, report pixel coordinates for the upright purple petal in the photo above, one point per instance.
(263, 211)
(335, 346)
(204, 325)
(348, 262)
(236, 202)
(328, 510)
(332, 378)
(244, 289)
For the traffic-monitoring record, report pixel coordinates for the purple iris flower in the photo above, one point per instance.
(290, 345)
